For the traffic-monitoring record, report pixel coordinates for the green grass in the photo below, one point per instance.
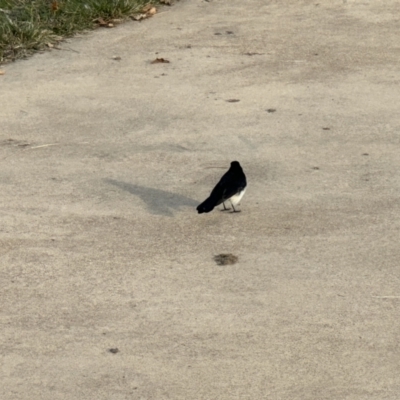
(30, 25)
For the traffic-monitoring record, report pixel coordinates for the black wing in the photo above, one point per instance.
(231, 183)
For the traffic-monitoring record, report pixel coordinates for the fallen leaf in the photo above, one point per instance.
(114, 350)
(102, 22)
(139, 17)
(146, 8)
(225, 259)
(250, 53)
(54, 6)
(160, 61)
(232, 100)
(50, 45)
(152, 11)
(2, 72)
(271, 110)
(116, 58)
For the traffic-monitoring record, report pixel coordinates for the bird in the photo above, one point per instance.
(231, 186)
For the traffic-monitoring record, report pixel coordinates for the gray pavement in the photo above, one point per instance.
(102, 164)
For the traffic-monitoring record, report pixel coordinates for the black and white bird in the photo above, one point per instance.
(231, 187)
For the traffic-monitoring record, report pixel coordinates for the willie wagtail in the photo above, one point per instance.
(231, 187)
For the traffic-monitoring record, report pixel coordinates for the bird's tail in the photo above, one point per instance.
(206, 206)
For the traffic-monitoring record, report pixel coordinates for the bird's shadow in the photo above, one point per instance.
(159, 202)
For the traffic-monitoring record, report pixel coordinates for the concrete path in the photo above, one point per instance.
(102, 163)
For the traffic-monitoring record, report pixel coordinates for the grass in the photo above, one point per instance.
(27, 26)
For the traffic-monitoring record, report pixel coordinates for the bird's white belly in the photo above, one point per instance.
(237, 197)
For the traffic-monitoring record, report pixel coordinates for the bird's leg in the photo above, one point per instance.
(234, 210)
(225, 209)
